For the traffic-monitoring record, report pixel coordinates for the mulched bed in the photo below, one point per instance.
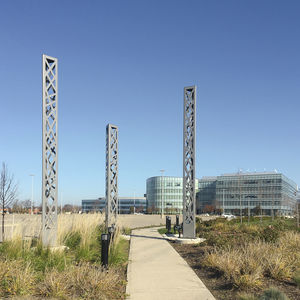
(214, 281)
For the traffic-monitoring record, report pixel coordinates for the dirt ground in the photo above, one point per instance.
(215, 282)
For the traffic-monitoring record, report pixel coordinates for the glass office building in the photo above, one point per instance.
(166, 192)
(127, 205)
(266, 192)
(206, 195)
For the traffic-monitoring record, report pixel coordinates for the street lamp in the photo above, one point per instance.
(32, 176)
(162, 210)
(223, 202)
(134, 202)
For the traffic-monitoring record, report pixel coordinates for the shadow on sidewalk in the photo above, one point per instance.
(148, 237)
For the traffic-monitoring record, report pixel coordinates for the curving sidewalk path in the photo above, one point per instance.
(156, 271)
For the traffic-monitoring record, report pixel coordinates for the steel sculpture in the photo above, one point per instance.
(189, 145)
(112, 153)
(50, 151)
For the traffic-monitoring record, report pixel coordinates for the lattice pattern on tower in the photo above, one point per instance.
(189, 143)
(50, 147)
(111, 175)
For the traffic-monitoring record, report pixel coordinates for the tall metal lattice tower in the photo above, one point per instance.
(189, 145)
(112, 154)
(50, 151)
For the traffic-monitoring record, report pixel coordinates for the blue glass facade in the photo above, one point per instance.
(166, 192)
(126, 205)
(269, 191)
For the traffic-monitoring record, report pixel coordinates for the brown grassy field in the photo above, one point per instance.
(29, 270)
(26, 226)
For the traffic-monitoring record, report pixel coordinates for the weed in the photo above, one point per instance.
(270, 234)
(273, 294)
(297, 278)
(16, 278)
(125, 230)
(244, 296)
(245, 265)
(86, 281)
(119, 252)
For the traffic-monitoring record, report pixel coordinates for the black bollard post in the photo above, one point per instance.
(180, 230)
(104, 249)
(168, 223)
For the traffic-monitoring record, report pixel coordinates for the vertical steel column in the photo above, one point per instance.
(112, 153)
(189, 172)
(50, 151)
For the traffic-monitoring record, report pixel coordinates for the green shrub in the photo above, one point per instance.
(72, 240)
(162, 230)
(273, 294)
(297, 278)
(44, 259)
(280, 224)
(126, 231)
(88, 254)
(12, 249)
(270, 234)
(119, 252)
(244, 296)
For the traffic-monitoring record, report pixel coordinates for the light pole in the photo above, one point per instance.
(297, 212)
(32, 176)
(162, 190)
(134, 202)
(223, 202)
(248, 211)
(239, 187)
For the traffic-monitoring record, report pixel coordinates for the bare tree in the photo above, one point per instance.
(8, 192)
(21, 206)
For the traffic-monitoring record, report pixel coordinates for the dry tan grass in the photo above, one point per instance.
(283, 259)
(246, 265)
(21, 272)
(84, 224)
(86, 281)
(237, 265)
(16, 278)
(26, 226)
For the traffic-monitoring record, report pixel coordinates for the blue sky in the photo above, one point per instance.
(127, 62)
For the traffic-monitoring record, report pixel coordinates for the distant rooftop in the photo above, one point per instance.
(240, 173)
(251, 173)
(209, 177)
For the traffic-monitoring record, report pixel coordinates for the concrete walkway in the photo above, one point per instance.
(156, 271)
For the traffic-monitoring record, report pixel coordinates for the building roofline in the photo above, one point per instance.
(251, 173)
(167, 177)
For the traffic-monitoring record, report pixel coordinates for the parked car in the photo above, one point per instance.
(228, 216)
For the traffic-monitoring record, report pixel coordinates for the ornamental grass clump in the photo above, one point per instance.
(296, 278)
(16, 278)
(84, 281)
(273, 294)
(246, 265)
(283, 259)
(29, 269)
(241, 266)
